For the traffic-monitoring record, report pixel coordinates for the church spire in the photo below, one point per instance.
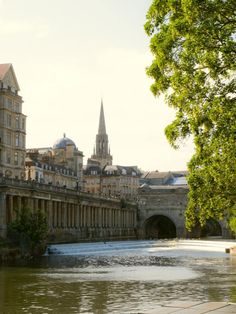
(102, 125)
(102, 150)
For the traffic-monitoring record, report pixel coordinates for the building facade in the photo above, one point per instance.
(12, 125)
(112, 181)
(61, 165)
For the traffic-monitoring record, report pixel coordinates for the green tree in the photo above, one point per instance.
(194, 47)
(29, 231)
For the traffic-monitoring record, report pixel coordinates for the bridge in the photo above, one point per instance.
(75, 216)
(161, 211)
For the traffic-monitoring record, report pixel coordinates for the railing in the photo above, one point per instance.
(36, 185)
(16, 183)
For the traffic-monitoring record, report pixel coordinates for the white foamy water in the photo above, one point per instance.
(159, 247)
(124, 273)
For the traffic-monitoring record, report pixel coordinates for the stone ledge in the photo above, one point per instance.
(193, 307)
(231, 250)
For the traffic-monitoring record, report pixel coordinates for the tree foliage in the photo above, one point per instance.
(194, 47)
(29, 231)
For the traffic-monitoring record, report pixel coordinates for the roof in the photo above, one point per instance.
(4, 69)
(63, 142)
(121, 170)
(7, 73)
(92, 170)
(179, 181)
(155, 175)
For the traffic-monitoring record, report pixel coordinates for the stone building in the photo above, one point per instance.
(101, 177)
(92, 179)
(112, 181)
(61, 165)
(12, 125)
(120, 181)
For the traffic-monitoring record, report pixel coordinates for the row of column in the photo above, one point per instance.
(73, 215)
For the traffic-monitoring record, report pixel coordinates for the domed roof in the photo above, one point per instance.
(63, 142)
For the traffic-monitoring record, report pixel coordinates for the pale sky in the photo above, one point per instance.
(67, 55)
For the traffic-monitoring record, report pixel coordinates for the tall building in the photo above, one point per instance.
(12, 125)
(101, 152)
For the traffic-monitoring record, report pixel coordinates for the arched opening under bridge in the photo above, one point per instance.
(159, 227)
(211, 229)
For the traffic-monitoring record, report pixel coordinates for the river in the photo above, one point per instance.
(119, 277)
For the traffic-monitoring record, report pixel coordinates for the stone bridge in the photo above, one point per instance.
(161, 214)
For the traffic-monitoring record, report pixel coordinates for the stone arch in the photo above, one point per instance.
(159, 227)
(212, 228)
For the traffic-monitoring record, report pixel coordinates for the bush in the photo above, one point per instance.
(29, 232)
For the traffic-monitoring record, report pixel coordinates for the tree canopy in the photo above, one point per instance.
(194, 47)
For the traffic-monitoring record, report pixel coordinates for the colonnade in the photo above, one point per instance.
(72, 215)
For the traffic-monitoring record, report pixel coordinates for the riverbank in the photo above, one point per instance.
(11, 254)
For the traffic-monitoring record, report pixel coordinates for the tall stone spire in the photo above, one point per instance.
(102, 125)
(102, 150)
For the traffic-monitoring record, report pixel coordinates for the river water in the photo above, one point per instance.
(119, 277)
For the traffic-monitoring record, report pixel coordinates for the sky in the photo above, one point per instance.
(70, 54)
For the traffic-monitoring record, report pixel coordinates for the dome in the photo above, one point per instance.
(63, 142)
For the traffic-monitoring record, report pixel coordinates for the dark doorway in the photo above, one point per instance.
(160, 227)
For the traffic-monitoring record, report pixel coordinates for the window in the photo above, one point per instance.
(16, 158)
(23, 124)
(8, 138)
(17, 122)
(8, 120)
(8, 157)
(9, 103)
(17, 139)
(22, 159)
(17, 107)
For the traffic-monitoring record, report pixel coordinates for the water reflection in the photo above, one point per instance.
(117, 283)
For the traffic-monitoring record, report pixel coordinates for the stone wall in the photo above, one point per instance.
(170, 202)
(163, 201)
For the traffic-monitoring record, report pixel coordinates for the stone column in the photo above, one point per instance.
(54, 208)
(92, 218)
(3, 216)
(82, 216)
(19, 205)
(96, 216)
(99, 217)
(10, 208)
(59, 216)
(79, 209)
(64, 215)
(36, 203)
(89, 216)
(77, 215)
(72, 215)
(30, 203)
(50, 213)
